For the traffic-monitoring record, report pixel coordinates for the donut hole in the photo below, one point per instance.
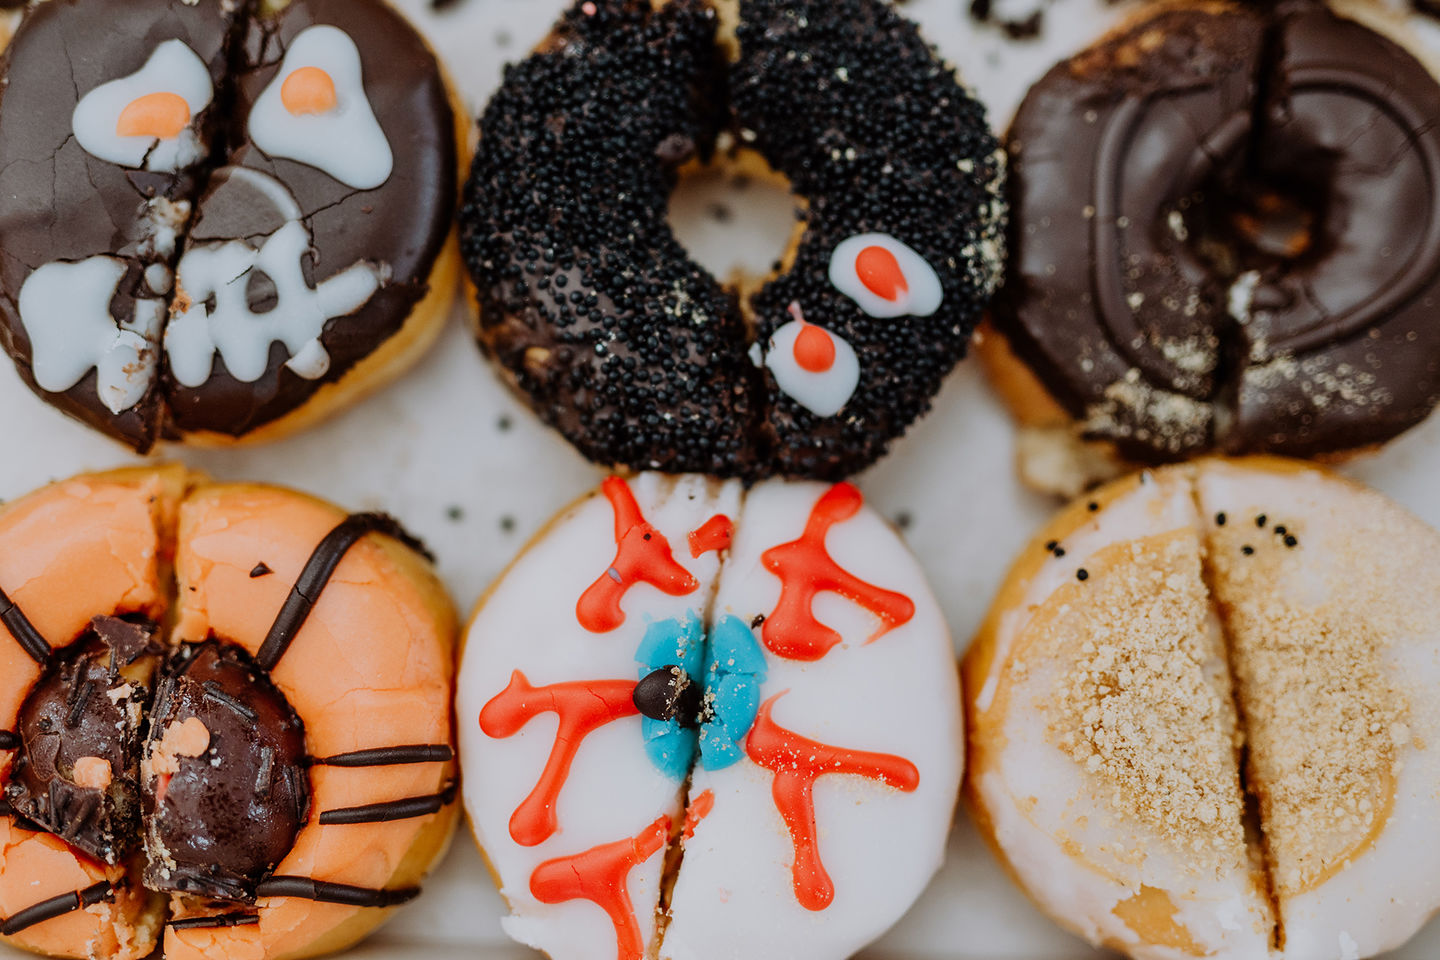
(1268, 217)
(737, 217)
(80, 731)
(224, 775)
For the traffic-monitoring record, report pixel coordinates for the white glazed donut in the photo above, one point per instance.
(672, 838)
(1184, 646)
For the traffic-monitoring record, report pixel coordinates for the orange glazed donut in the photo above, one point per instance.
(297, 777)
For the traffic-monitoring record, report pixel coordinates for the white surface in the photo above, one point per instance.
(431, 451)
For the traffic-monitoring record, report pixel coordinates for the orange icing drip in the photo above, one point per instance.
(806, 569)
(601, 876)
(582, 707)
(713, 534)
(698, 810)
(161, 115)
(814, 349)
(642, 555)
(308, 90)
(797, 762)
(880, 272)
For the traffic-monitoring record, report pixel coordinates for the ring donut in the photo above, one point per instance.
(154, 151)
(705, 723)
(1202, 717)
(617, 338)
(296, 779)
(1225, 236)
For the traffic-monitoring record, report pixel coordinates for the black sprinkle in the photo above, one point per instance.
(1261, 520)
(1059, 552)
(904, 520)
(1220, 519)
(1092, 506)
(1051, 545)
(80, 697)
(215, 694)
(507, 524)
(260, 570)
(504, 424)
(1281, 530)
(1082, 574)
(1291, 541)
(455, 513)
(442, 5)
(757, 621)
(1247, 550)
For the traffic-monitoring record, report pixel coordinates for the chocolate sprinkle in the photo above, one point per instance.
(214, 693)
(1082, 574)
(260, 570)
(391, 810)
(390, 756)
(56, 907)
(317, 573)
(303, 888)
(23, 631)
(217, 921)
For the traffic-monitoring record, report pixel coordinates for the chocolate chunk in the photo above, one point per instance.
(224, 820)
(81, 710)
(127, 641)
(668, 694)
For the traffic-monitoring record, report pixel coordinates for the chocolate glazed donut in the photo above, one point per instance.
(1226, 234)
(632, 350)
(154, 151)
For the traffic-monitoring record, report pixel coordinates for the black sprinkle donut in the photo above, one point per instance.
(630, 348)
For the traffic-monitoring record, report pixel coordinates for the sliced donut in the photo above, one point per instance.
(618, 339)
(177, 271)
(296, 777)
(1224, 237)
(1197, 721)
(727, 803)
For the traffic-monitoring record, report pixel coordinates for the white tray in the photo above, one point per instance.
(471, 471)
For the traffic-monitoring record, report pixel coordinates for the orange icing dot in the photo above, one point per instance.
(814, 349)
(308, 90)
(880, 272)
(93, 773)
(161, 115)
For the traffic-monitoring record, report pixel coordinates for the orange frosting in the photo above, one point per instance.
(161, 115)
(881, 273)
(308, 90)
(814, 349)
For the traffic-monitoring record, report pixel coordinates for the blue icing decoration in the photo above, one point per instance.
(733, 675)
(670, 747)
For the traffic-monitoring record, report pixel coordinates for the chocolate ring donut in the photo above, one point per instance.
(1226, 234)
(220, 223)
(205, 783)
(617, 338)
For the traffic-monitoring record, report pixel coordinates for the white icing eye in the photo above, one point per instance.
(315, 111)
(817, 368)
(885, 277)
(65, 309)
(147, 118)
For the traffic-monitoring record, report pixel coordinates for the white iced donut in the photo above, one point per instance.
(1201, 716)
(702, 723)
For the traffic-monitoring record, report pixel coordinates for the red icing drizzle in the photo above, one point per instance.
(698, 810)
(583, 707)
(797, 763)
(806, 569)
(878, 269)
(642, 555)
(601, 875)
(713, 534)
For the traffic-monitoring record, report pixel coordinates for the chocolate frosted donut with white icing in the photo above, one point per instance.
(233, 220)
(1225, 236)
(617, 338)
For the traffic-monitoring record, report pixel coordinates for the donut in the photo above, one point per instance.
(705, 723)
(616, 337)
(225, 720)
(1223, 238)
(1201, 719)
(220, 221)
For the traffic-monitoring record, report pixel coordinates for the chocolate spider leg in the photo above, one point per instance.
(24, 631)
(316, 575)
(384, 756)
(405, 809)
(56, 907)
(303, 888)
(217, 921)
